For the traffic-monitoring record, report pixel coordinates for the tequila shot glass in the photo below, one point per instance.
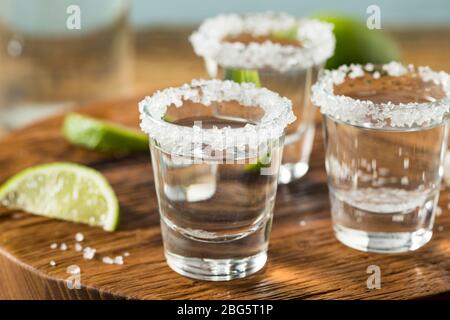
(277, 51)
(385, 129)
(216, 173)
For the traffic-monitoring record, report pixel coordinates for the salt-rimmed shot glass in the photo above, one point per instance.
(216, 173)
(385, 130)
(277, 51)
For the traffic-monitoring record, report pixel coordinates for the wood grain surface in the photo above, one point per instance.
(305, 260)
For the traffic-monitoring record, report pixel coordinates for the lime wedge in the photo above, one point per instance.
(243, 75)
(101, 135)
(168, 118)
(355, 43)
(262, 162)
(64, 191)
(246, 75)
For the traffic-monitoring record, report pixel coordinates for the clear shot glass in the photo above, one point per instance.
(385, 129)
(216, 148)
(56, 54)
(277, 51)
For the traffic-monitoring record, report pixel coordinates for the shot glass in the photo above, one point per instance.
(385, 129)
(276, 51)
(216, 173)
(56, 54)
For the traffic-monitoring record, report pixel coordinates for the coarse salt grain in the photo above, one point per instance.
(54, 246)
(126, 254)
(52, 263)
(89, 253)
(303, 223)
(356, 72)
(107, 260)
(63, 247)
(118, 260)
(369, 67)
(78, 247)
(79, 237)
(395, 69)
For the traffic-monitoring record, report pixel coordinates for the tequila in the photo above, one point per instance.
(215, 190)
(384, 164)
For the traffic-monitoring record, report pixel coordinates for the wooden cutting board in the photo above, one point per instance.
(305, 260)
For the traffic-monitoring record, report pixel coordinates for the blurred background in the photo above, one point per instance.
(129, 48)
(146, 13)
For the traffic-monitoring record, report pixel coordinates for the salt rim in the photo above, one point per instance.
(178, 139)
(368, 114)
(317, 38)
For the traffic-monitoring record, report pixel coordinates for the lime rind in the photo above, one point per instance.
(243, 75)
(355, 43)
(168, 118)
(100, 135)
(20, 187)
(262, 162)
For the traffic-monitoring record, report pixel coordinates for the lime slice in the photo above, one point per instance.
(262, 162)
(243, 75)
(101, 135)
(246, 75)
(168, 118)
(355, 43)
(64, 191)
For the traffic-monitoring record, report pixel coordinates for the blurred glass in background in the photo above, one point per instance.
(48, 66)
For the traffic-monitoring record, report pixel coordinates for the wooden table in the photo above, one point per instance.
(305, 260)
